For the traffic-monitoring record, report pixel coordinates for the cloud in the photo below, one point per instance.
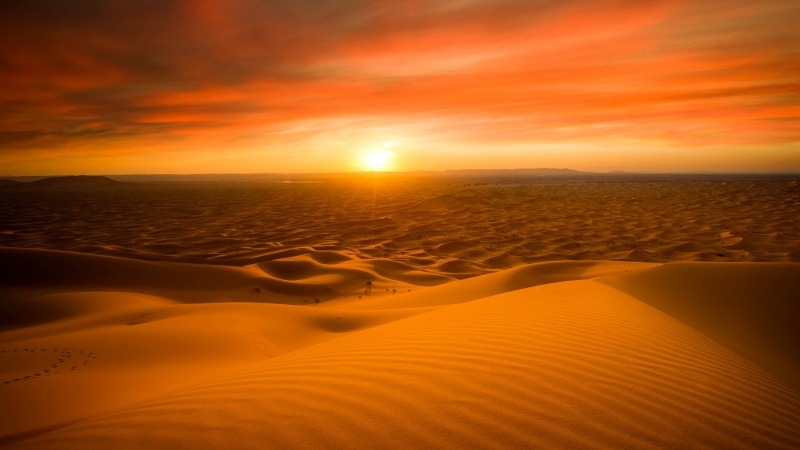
(115, 76)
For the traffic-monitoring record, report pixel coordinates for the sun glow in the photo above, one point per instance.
(378, 160)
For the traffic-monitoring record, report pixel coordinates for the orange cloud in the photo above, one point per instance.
(124, 78)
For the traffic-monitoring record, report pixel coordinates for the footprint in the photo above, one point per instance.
(64, 355)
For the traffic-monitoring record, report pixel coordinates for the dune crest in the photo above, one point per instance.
(105, 352)
(751, 309)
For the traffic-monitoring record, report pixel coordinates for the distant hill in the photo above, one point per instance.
(509, 175)
(542, 171)
(5, 183)
(72, 182)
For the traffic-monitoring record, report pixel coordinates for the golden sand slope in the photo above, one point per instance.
(553, 355)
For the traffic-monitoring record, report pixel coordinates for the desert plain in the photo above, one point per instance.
(383, 311)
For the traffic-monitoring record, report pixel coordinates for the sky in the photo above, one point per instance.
(230, 86)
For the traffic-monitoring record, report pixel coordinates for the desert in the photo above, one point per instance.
(361, 224)
(389, 311)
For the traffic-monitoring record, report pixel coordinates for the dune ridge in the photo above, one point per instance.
(566, 354)
(302, 279)
(386, 313)
(770, 322)
(457, 229)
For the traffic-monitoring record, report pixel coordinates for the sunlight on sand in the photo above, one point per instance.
(443, 319)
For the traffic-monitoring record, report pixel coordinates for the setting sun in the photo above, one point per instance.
(378, 160)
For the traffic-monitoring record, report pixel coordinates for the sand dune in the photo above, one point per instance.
(106, 352)
(459, 230)
(239, 315)
(298, 279)
(735, 310)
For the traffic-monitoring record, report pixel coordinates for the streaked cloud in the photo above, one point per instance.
(115, 79)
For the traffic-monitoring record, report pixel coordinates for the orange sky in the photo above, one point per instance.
(198, 86)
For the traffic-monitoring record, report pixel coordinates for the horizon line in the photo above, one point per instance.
(413, 172)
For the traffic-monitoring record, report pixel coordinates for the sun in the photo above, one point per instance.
(378, 160)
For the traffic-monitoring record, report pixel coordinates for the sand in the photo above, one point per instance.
(465, 341)
(456, 229)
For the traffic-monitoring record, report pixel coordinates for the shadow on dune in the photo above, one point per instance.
(751, 308)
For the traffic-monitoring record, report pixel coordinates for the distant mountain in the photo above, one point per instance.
(72, 182)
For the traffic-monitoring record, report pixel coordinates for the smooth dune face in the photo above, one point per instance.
(563, 354)
(753, 309)
(423, 320)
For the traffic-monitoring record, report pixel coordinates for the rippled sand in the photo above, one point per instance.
(458, 229)
(401, 314)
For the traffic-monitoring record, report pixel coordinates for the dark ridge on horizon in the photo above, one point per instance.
(537, 170)
(505, 176)
(69, 182)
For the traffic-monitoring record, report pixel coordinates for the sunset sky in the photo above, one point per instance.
(202, 86)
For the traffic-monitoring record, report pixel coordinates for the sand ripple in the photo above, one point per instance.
(426, 224)
(566, 365)
(401, 314)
